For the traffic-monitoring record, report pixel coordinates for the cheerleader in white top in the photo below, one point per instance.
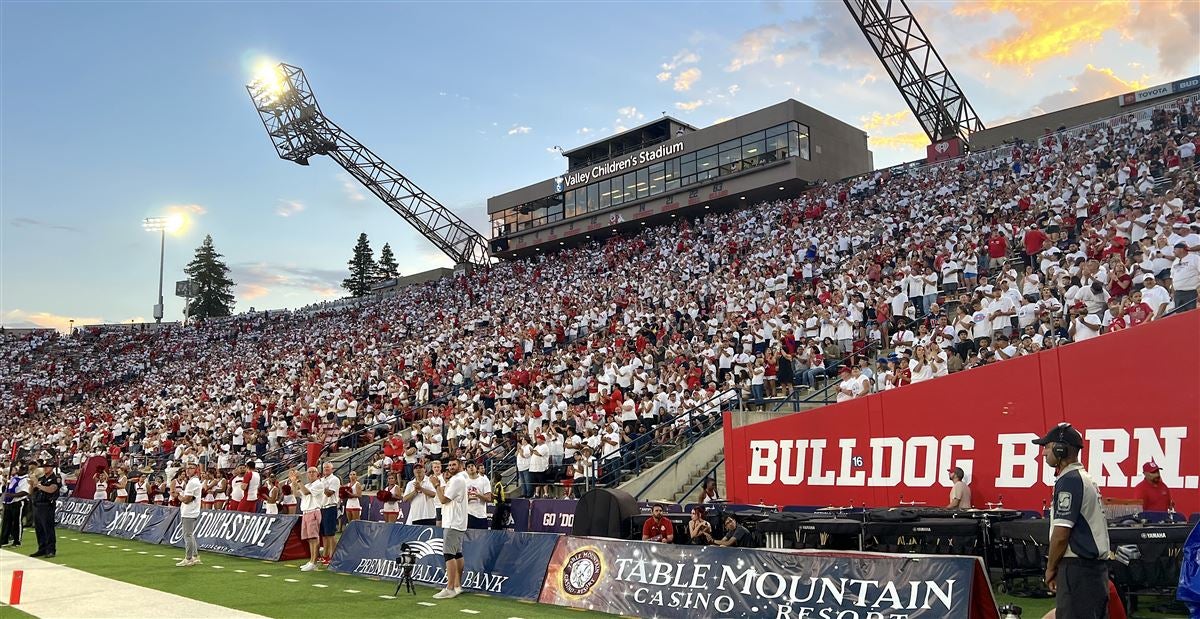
(287, 501)
(353, 500)
(122, 487)
(271, 503)
(207, 499)
(220, 493)
(142, 491)
(390, 497)
(101, 486)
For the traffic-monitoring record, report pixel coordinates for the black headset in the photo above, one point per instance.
(1060, 449)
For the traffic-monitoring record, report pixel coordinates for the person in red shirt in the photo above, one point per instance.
(1154, 494)
(658, 528)
(997, 248)
(1034, 241)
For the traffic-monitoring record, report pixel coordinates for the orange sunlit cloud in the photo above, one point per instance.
(883, 121)
(900, 141)
(1048, 29)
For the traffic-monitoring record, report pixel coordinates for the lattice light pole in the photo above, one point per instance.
(916, 68)
(299, 131)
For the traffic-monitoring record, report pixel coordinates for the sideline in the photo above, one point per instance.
(54, 591)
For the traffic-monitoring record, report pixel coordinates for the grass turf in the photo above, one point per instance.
(273, 596)
(8, 612)
(237, 583)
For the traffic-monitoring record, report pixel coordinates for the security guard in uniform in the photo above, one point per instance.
(45, 493)
(1076, 568)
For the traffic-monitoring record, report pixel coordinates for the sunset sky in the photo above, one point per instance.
(110, 113)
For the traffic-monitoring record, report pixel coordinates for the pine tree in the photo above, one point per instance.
(388, 269)
(215, 297)
(362, 269)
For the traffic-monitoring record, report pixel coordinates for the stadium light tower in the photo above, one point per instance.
(299, 130)
(162, 225)
(916, 69)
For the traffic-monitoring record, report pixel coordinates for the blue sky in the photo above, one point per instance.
(111, 112)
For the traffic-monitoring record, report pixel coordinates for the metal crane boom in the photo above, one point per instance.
(299, 130)
(916, 68)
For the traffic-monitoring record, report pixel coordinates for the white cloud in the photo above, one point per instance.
(351, 188)
(688, 106)
(287, 208)
(21, 319)
(684, 80)
(191, 209)
(519, 130)
(630, 113)
(733, 89)
(583, 130)
(664, 76)
(684, 57)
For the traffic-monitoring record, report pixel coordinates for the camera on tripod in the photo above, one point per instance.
(407, 560)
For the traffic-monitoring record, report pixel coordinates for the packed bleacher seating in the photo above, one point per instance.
(870, 284)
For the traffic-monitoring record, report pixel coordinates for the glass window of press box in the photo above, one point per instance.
(731, 157)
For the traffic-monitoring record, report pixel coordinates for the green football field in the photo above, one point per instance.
(270, 588)
(282, 590)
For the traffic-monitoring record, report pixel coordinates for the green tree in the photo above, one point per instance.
(388, 269)
(362, 268)
(215, 297)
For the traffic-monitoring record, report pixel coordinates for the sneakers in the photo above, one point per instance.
(452, 593)
(184, 563)
(323, 561)
(443, 594)
(197, 561)
(308, 567)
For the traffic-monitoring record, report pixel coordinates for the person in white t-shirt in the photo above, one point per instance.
(312, 497)
(421, 495)
(189, 514)
(452, 494)
(479, 494)
(329, 511)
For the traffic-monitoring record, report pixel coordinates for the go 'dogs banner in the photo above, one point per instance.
(257, 536)
(146, 523)
(503, 563)
(898, 445)
(73, 513)
(669, 580)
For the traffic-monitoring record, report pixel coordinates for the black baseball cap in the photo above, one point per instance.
(1062, 433)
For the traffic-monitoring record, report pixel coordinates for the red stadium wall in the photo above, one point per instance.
(1135, 395)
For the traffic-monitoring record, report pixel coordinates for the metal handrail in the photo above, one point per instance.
(705, 430)
(703, 478)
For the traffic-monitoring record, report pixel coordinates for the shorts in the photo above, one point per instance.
(329, 518)
(478, 522)
(310, 525)
(453, 545)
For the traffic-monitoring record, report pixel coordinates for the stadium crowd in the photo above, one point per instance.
(561, 360)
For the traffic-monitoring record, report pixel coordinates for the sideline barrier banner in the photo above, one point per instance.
(496, 562)
(665, 580)
(547, 515)
(256, 536)
(145, 523)
(898, 445)
(73, 513)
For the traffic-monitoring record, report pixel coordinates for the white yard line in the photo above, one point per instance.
(52, 591)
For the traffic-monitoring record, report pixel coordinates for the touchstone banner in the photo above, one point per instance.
(503, 563)
(669, 580)
(257, 536)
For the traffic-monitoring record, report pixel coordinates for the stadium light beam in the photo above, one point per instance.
(161, 225)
